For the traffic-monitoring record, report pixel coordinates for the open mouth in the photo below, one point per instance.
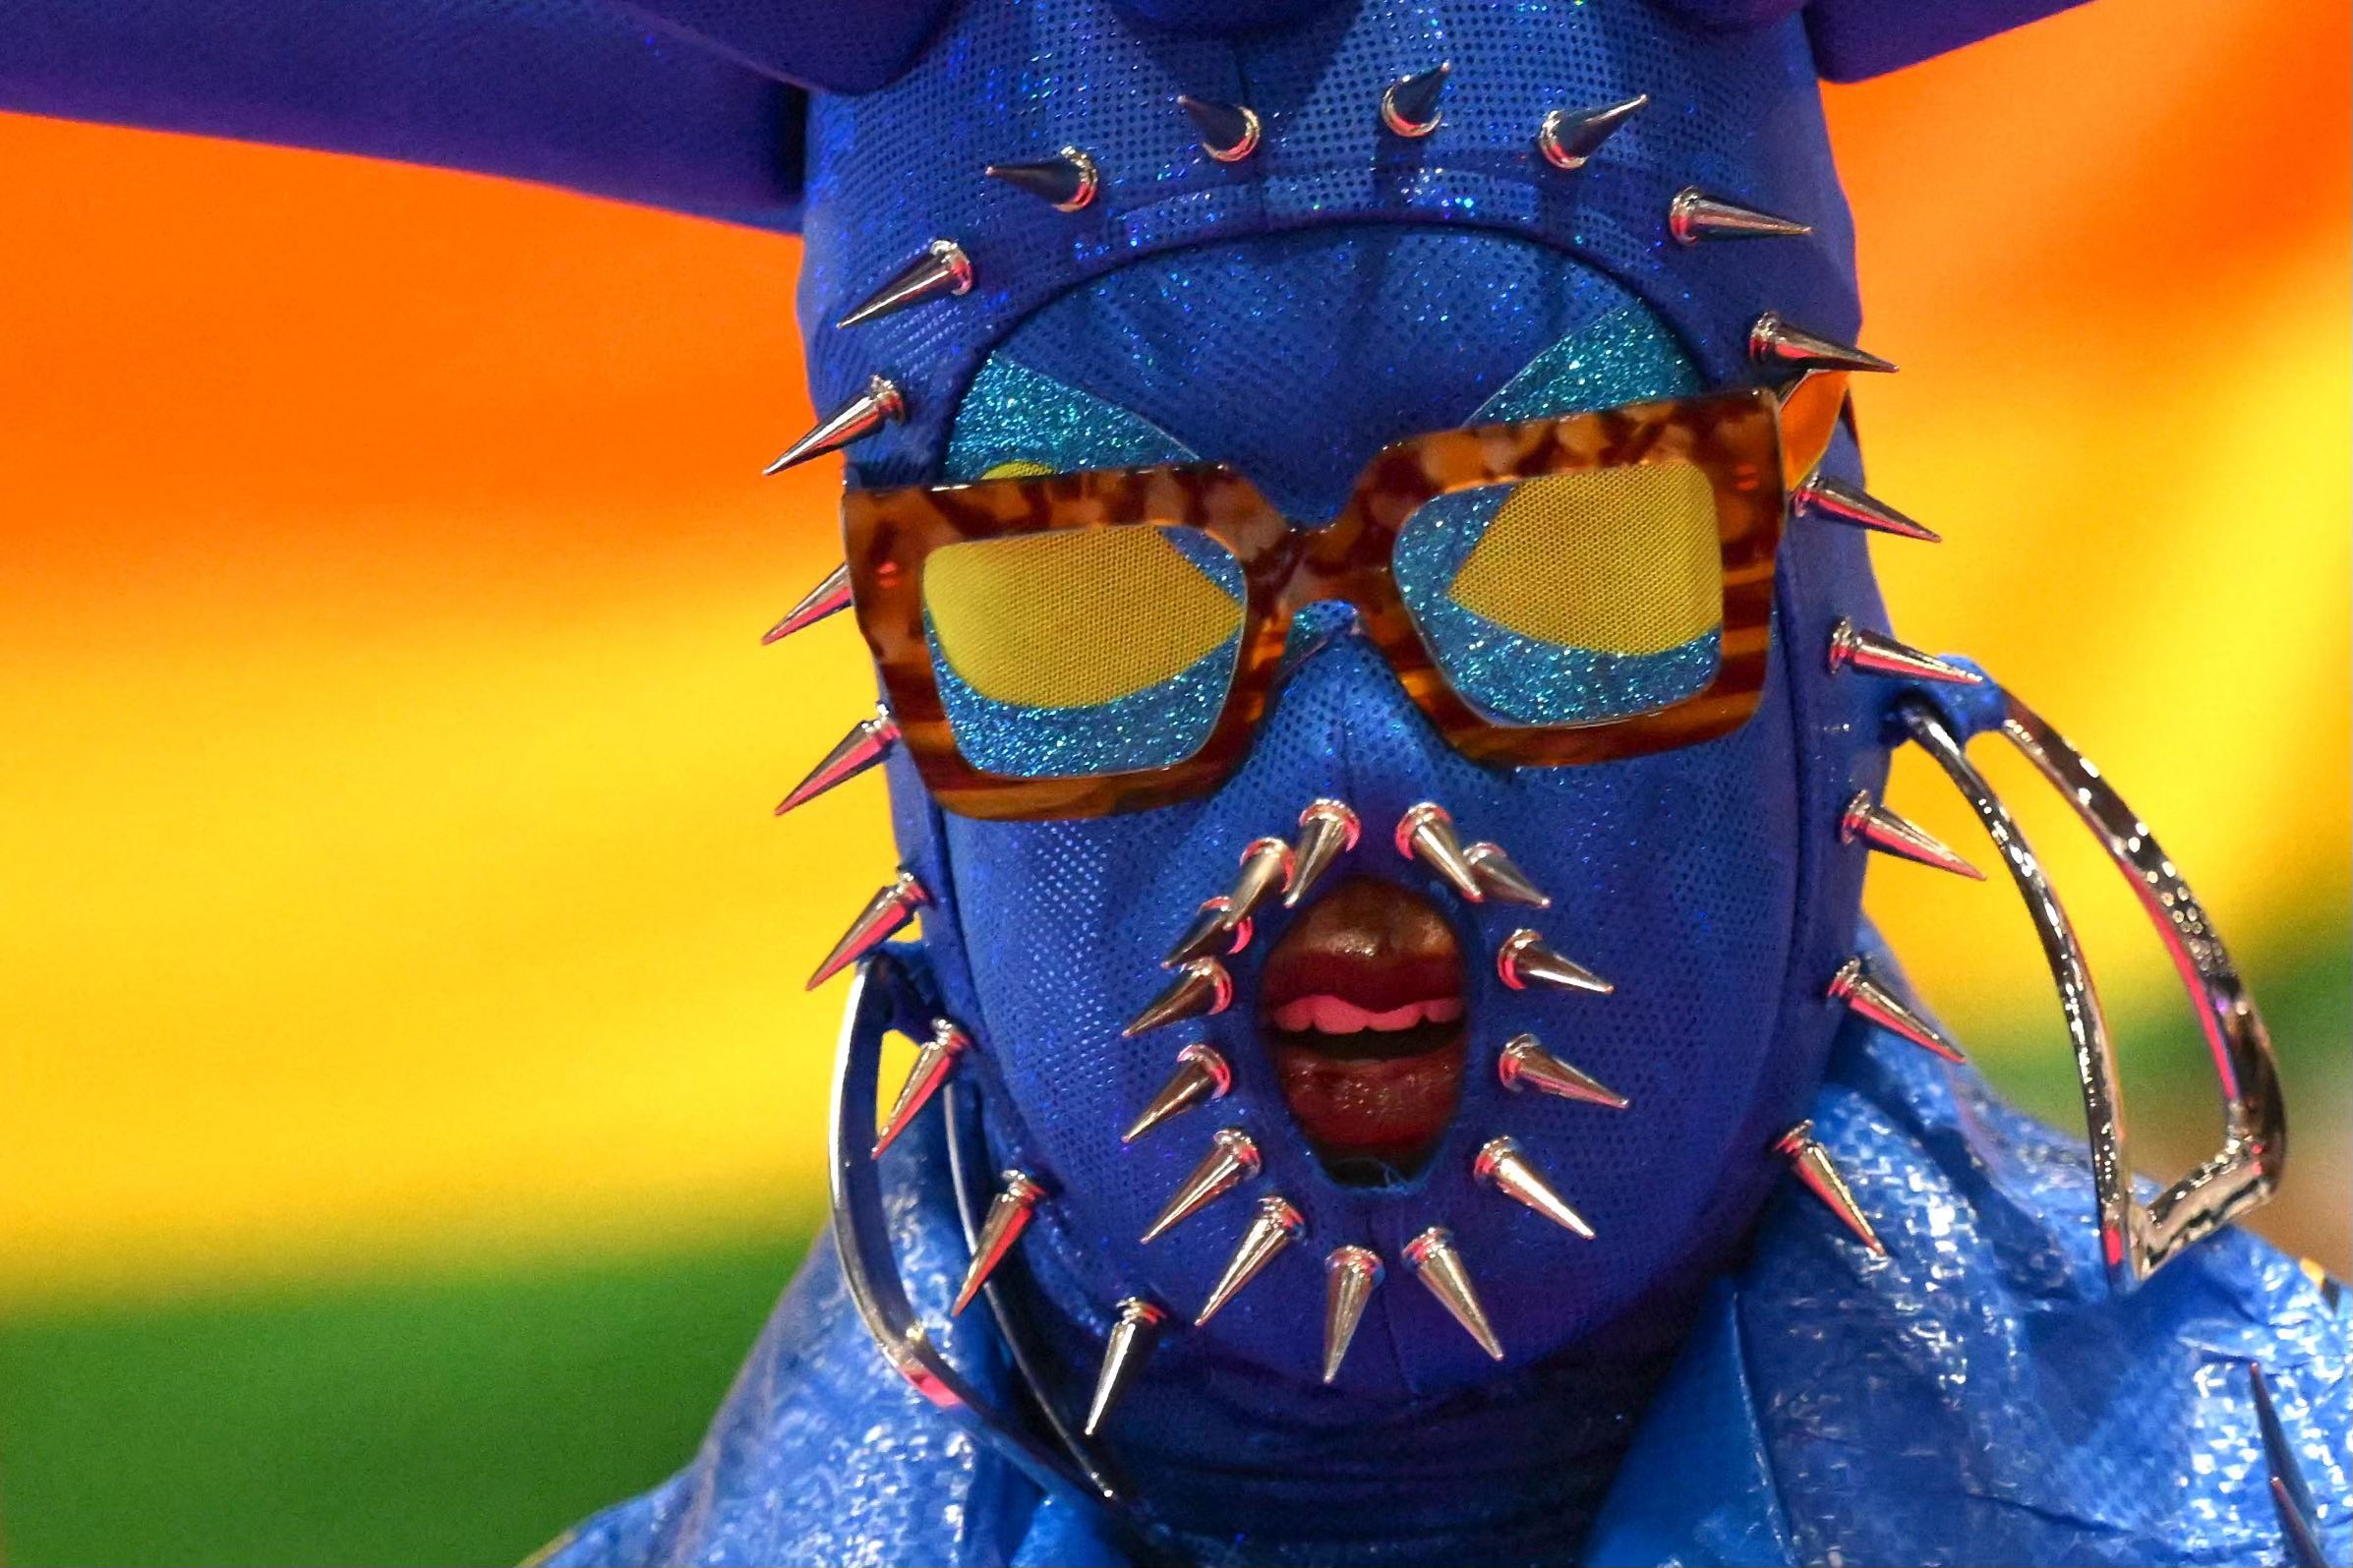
(1361, 1009)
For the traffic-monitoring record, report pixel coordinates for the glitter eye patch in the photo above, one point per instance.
(1548, 591)
(1084, 651)
(1570, 598)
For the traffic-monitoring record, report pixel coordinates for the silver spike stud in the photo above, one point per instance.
(2291, 1494)
(829, 598)
(869, 741)
(1502, 879)
(1525, 959)
(878, 405)
(1778, 343)
(1853, 989)
(1868, 823)
(1569, 138)
(1200, 1076)
(1008, 1216)
(1438, 1266)
(1409, 104)
(1525, 1063)
(1266, 869)
(942, 271)
(1835, 503)
(1810, 1163)
(1232, 1160)
(1349, 1275)
(1213, 932)
(935, 1059)
(1133, 1334)
(1275, 1226)
(885, 915)
(1067, 181)
(1201, 987)
(1229, 132)
(1871, 652)
(1327, 829)
(1694, 215)
(1427, 833)
(1502, 1165)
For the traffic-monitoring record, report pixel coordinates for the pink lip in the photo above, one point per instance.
(1362, 1014)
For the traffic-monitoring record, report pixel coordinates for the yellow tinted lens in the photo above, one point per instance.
(1080, 616)
(1619, 561)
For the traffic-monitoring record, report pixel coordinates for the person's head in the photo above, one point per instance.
(1559, 688)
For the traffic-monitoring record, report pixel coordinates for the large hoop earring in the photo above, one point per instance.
(878, 1000)
(2135, 1238)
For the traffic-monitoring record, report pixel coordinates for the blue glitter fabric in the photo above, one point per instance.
(1974, 1397)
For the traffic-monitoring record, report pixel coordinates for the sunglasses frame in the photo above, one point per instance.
(1737, 438)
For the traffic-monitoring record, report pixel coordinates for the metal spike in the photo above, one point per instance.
(1266, 867)
(869, 741)
(1874, 1003)
(1871, 824)
(1502, 879)
(1437, 1266)
(1008, 1216)
(1133, 1335)
(1201, 987)
(1569, 138)
(934, 1061)
(1213, 932)
(1232, 1160)
(1275, 1226)
(1694, 215)
(1200, 1076)
(878, 405)
(1810, 1162)
(886, 913)
(1502, 1166)
(1327, 829)
(1836, 503)
(2291, 1496)
(1776, 342)
(1525, 959)
(1871, 652)
(942, 271)
(1229, 132)
(1526, 1063)
(1409, 104)
(1349, 1275)
(1427, 833)
(829, 598)
(1069, 180)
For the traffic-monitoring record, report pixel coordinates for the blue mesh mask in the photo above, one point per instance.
(1683, 877)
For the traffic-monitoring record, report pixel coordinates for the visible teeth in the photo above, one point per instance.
(1275, 1226)
(1502, 879)
(1349, 1275)
(1202, 1075)
(1232, 1160)
(1327, 829)
(1329, 1014)
(1427, 833)
(1525, 960)
(1200, 986)
(1437, 1264)
(1527, 1065)
(1129, 1342)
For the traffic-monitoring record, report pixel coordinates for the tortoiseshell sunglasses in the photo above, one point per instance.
(1551, 591)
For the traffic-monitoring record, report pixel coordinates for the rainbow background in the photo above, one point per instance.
(408, 1103)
